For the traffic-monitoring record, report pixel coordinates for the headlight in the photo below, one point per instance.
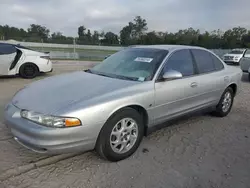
(50, 121)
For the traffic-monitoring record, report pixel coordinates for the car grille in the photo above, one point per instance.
(228, 57)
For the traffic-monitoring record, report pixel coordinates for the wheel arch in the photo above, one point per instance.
(234, 87)
(139, 108)
(18, 69)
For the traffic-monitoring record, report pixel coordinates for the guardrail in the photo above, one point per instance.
(84, 52)
(70, 46)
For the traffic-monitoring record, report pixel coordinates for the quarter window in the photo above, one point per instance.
(180, 61)
(204, 61)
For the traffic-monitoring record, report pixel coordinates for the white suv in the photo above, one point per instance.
(234, 56)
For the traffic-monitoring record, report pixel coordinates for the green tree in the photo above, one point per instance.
(95, 37)
(88, 37)
(232, 38)
(38, 32)
(139, 27)
(126, 34)
(110, 39)
(81, 31)
(133, 32)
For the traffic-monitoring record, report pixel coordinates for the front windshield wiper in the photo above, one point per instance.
(101, 74)
(127, 78)
(112, 76)
(98, 73)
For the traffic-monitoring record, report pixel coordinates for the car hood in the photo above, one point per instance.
(234, 55)
(54, 93)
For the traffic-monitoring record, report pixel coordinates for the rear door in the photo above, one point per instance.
(211, 81)
(7, 56)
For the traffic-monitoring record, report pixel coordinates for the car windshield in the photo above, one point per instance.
(139, 64)
(236, 52)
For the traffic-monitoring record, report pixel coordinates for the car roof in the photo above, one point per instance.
(169, 47)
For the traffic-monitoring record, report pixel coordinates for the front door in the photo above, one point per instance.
(176, 97)
(7, 56)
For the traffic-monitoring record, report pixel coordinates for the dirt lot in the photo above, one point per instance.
(201, 151)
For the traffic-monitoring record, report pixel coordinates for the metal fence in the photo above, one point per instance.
(99, 55)
(82, 52)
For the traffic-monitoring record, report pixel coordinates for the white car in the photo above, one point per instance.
(19, 60)
(234, 56)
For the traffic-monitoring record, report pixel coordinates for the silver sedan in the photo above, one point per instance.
(111, 106)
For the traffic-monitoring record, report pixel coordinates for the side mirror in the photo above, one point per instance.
(172, 75)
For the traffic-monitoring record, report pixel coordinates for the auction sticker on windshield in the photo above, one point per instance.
(143, 59)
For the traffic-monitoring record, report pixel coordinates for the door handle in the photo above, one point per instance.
(194, 84)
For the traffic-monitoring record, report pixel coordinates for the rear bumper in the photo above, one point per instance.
(48, 71)
(46, 66)
(43, 139)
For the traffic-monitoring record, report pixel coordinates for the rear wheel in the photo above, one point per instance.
(224, 106)
(121, 135)
(28, 70)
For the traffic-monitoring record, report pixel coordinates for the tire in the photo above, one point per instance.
(223, 110)
(106, 139)
(28, 70)
(249, 77)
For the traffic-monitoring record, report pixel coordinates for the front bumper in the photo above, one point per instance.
(43, 139)
(232, 62)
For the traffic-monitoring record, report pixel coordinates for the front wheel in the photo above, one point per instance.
(121, 135)
(225, 104)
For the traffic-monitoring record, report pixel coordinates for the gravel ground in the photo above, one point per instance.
(199, 151)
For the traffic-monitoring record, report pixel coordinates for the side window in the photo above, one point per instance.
(1, 49)
(204, 61)
(7, 49)
(180, 61)
(217, 63)
(247, 53)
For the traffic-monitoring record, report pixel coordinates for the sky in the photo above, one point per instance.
(111, 15)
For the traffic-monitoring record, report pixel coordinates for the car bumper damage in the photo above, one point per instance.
(44, 139)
